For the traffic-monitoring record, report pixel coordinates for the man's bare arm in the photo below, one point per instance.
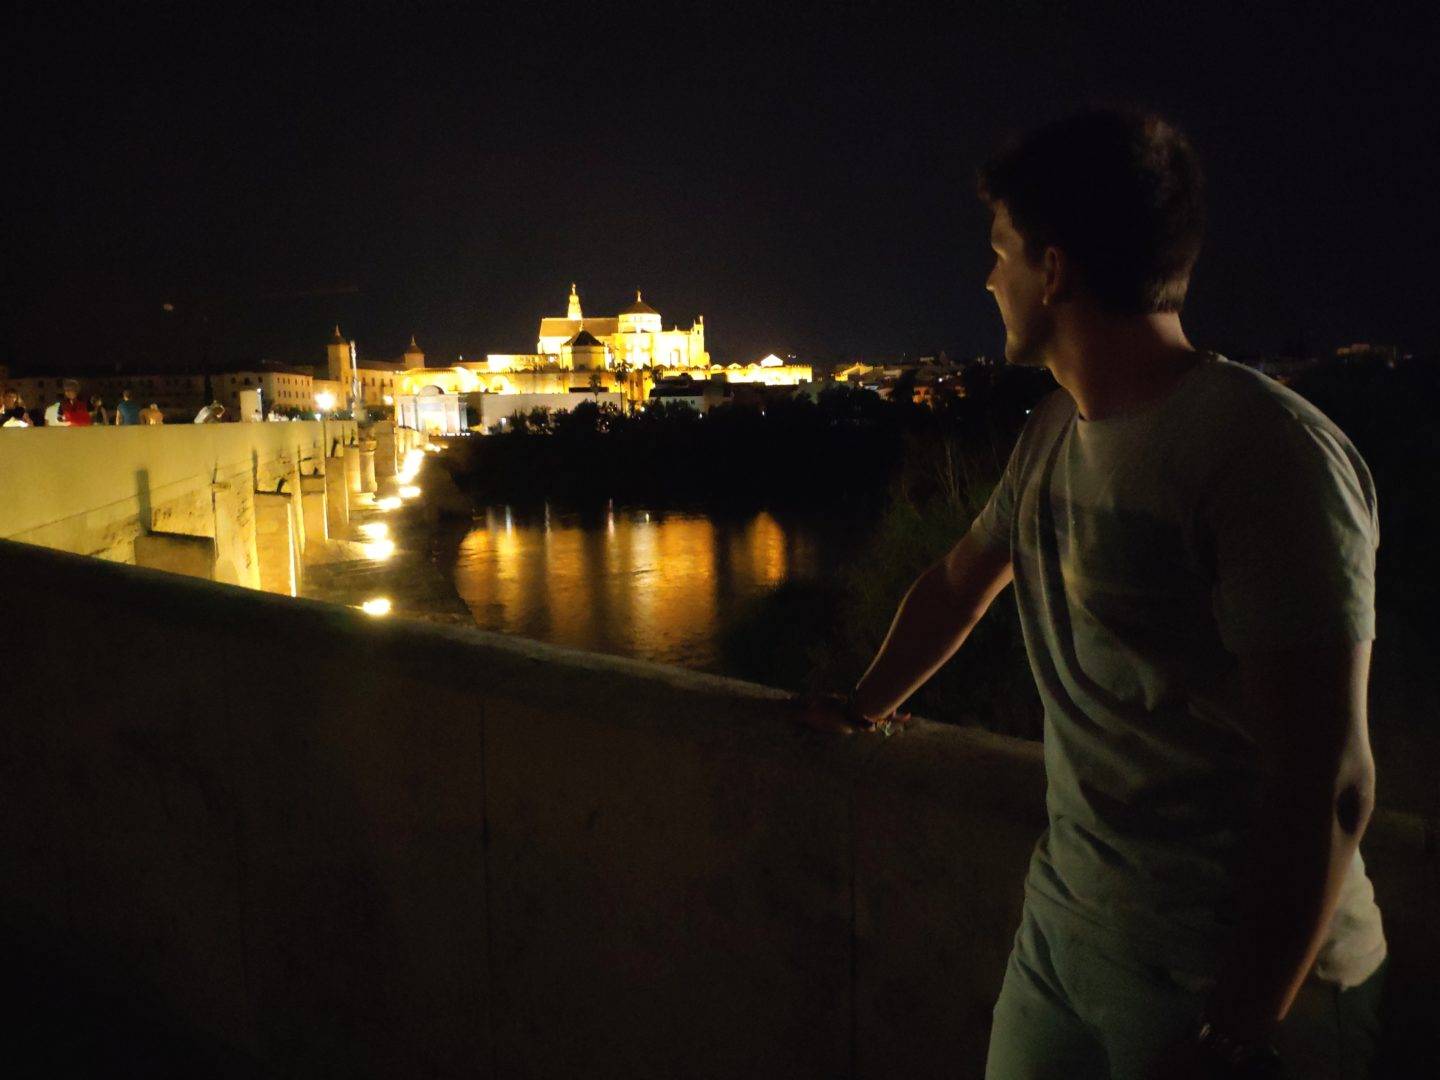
(1307, 708)
(934, 619)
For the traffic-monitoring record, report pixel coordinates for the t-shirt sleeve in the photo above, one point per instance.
(992, 525)
(1293, 529)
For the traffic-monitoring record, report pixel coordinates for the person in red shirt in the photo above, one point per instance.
(69, 411)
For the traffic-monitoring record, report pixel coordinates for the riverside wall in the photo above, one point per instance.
(368, 847)
(243, 504)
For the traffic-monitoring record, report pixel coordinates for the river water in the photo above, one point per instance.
(657, 585)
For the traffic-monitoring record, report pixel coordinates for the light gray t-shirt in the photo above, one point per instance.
(1149, 551)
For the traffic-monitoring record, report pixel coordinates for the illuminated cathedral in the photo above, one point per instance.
(610, 359)
(635, 338)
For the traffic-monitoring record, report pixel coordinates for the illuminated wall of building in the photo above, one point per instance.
(769, 371)
(636, 337)
(622, 355)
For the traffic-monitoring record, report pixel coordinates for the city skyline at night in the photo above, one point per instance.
(211, 189)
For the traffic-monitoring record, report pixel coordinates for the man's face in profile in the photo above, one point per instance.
(1018, 286)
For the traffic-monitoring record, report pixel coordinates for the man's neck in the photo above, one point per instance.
(1113, 366)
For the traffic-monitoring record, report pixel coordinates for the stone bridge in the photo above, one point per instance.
(242, 504)
(357, 847)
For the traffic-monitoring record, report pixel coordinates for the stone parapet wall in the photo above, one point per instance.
(371, 847)
(96, 491)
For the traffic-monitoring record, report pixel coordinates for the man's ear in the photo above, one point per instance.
(1059, 275)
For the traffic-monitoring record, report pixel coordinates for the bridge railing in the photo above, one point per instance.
(370, 847)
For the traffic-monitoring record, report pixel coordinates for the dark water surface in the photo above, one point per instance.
(657, 585)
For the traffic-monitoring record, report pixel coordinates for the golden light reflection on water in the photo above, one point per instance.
(631, 582)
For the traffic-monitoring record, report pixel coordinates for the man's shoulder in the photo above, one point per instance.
(1252, 405)
(1253, 425)
(1047, 419)
(1051, 412)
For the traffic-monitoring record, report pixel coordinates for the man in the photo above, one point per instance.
(152, 415)
(127, 411)
(1192, 547)
(68, 410)
(12, 410)
(213, 413)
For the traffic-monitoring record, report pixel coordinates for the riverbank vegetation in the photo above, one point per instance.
(776, 452)
(1391, 414)
(917, 477)
(910, 477)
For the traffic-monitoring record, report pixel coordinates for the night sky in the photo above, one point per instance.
(802, 175)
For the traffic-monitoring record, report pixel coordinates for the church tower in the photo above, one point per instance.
(341, 354)
(414, 355)
(573, 311)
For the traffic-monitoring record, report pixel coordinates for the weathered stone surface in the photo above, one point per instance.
(194, 556)
(367, 465)
(92, 491)
(385, 459)
(354, 470)
(275, 543)
(316, 514)
(368, 847)
(337, 498)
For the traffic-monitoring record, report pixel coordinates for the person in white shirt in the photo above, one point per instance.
(12, 410)
(1192, 552)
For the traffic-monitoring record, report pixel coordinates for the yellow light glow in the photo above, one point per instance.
(390, 502)
(375, 530)
(409, 491)
(389, 399)
(408, 471)
(380, 550)
(380, 605)
(325, 400)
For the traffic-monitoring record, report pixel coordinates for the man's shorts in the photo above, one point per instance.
(1071, 1008)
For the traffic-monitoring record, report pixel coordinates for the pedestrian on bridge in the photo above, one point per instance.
(127, 411)
(1192, 550)
(12, 410)
(68, 410)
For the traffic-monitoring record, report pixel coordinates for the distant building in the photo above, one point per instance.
(769, 370)
(1361, 351)
(636, 337)
(702, 395)
(371, 382)
(280, 387)
(629, 356)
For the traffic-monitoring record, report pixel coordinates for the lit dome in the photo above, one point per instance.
(639, 317)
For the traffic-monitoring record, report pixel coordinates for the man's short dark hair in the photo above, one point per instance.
(1120, 191)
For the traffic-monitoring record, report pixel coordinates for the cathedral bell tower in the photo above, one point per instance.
(341, 354)
(573, 311)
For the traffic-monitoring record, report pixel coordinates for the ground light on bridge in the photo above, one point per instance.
(377, 606)
(411, 468)
(379, 550)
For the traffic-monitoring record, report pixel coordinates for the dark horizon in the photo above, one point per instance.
(803, 180)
